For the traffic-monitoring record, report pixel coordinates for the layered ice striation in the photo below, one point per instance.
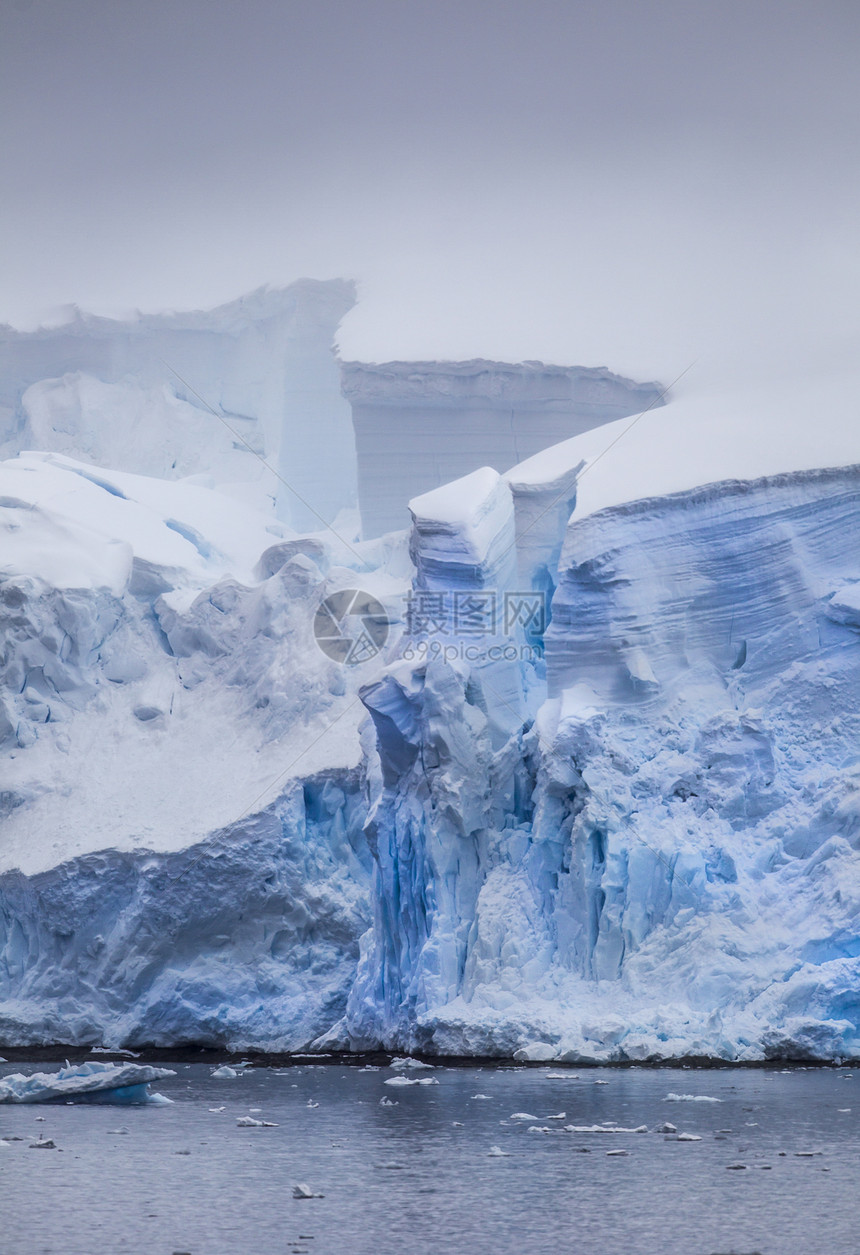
(419, 425)
(463, 534)
(632, 834)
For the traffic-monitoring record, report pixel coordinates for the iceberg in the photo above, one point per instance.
(626, 831)
(114, 1083)
(199, 393)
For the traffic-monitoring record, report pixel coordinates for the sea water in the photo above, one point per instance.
(416, 1168)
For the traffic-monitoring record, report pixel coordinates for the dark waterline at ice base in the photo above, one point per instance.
(478, 1159)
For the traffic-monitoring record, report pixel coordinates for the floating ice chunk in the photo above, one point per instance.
(44, 1143)
(522, 1115)
(688, 1137)
(603, 1128)
(215, 1110)
(311, 1103)
(666, 1128)
(86, 1082)
(496, 1152)
(690, 1098)
(409, 1063)
(562, 1115)
(411, 1080)
(561, 1076)
(618, 1152)
(386, 1102)
(224, 1073)
(248, 1122)
(477, 1096)
(304, 1191)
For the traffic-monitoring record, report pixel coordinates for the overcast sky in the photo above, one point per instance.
(619, 182)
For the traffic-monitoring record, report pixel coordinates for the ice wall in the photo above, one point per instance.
(178, 861)
(419, 425)
(249, 939)
(135, 395)
(664, 861)
(633, 835)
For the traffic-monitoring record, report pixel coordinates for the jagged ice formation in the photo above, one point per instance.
(627, 832)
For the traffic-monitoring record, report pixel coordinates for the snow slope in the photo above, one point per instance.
(705, 438)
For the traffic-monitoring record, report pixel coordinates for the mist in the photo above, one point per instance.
(637, 185)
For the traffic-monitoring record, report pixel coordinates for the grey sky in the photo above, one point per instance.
(618, 182)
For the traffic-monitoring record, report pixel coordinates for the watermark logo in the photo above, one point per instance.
(351, 626)
(472, 625)
(475, 613)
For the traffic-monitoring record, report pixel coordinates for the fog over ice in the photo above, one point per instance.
(630, 184)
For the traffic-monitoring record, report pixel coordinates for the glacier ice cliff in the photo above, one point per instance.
(137, 395)
(665, 860)
(627, 832)
(419, 425)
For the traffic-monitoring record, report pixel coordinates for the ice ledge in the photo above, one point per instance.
(391, 383)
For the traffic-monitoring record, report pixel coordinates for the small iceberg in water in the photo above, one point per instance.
(304, 1191)
(402, 1081)
(86, 1082)
(690, 1098)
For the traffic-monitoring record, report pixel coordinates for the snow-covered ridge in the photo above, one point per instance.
(707, 438)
